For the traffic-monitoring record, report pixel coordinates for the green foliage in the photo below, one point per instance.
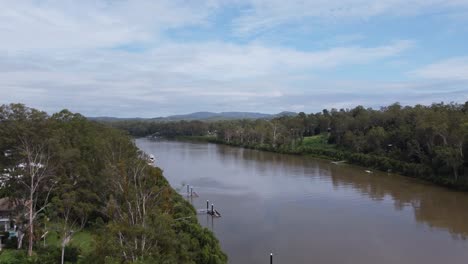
(47, 255)
(52, 255)
(105, 204)
(84, 241)
(10, 256)
(316, 141)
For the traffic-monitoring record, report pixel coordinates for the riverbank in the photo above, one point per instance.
(317, 147)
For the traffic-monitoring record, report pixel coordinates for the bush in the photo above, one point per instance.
(52, 255)
(11, 256)
(11, 243)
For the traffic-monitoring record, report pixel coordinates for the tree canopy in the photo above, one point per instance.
(69, 175)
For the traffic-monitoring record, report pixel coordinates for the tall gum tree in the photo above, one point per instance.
(25, 133)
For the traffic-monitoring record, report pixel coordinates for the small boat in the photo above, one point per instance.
(338, 162)
(151, 158)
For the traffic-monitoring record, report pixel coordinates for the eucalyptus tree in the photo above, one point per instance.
(30, 176)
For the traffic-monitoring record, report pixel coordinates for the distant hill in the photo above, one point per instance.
(202, 116)
(113, 119)
(216, 116)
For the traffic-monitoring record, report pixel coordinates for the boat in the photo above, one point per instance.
(338, 162)
(151, 158)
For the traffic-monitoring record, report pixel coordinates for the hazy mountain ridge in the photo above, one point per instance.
(202, 116)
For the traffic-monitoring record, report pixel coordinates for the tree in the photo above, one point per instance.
(375, 138)
(96, 175)
(71, 211)
(31, 169)
(133, 207)
(451, 157)
(35, 173)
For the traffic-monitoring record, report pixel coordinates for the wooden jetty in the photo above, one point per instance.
(191, 192)
(213, 212)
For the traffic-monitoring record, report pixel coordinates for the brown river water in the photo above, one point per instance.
(308, 210)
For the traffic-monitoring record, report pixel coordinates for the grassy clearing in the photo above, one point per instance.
(317, 141)
(83, 240)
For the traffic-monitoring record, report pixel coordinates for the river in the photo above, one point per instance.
(307, 210)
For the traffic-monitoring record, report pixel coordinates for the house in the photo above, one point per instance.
(7, 224)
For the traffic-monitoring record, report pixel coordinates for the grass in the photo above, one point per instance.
(83, 240)
(317, 141)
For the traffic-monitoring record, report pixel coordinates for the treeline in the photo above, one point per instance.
(428, 142)
(82, 192)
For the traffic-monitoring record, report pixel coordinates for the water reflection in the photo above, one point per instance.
(435, 206)
(297, 206)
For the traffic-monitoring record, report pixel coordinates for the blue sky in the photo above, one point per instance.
(154, 58)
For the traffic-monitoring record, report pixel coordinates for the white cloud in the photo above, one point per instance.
(265, 14)
(450, 69)
(171, 75)
(221, 61)
(57, 24)
(67, 24)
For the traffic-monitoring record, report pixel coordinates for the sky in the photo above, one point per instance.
(148, 58)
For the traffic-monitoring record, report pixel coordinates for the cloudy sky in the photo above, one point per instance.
(155, 57)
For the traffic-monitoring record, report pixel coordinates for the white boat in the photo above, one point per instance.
(151, 158)
(338, 162)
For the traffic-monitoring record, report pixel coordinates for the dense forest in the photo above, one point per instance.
(81, 192)
(428, 142)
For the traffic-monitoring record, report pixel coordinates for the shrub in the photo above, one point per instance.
(11, 256)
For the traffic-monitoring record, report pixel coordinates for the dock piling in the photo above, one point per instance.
(271, 258)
